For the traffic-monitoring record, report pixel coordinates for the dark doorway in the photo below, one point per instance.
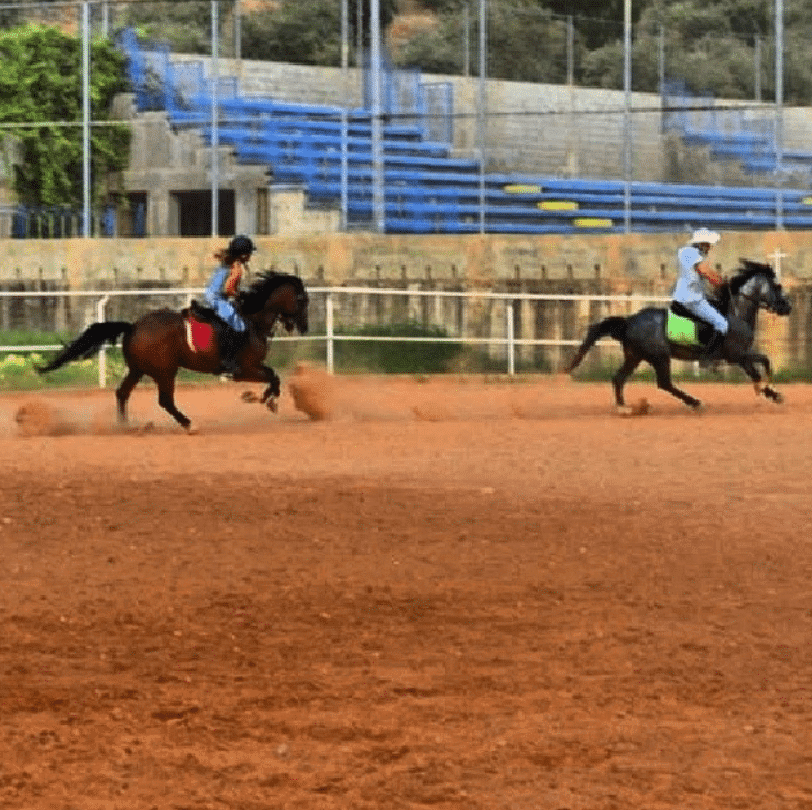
(194, 212)
(131, 214)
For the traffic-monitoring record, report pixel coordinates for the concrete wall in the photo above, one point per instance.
(595, 265)
(622, 263)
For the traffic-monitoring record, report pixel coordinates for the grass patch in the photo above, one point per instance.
(424, 356)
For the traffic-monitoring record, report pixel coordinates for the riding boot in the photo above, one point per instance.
(712, 351)
(231, 341)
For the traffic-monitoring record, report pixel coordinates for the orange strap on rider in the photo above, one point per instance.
(233, 280)
(705, 270)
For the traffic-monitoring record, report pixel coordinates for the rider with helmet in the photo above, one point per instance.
(224, 285)
(689, 292)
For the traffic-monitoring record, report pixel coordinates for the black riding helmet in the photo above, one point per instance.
(241, 246)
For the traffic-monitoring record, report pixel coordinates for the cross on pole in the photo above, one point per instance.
(776, 256)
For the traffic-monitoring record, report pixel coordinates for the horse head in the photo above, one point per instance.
(755, 283)
(276, 297)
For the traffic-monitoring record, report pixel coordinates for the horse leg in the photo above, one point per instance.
(124, 390)
(630, 363)
(274, 389)
(662, 368)
(166, 399)
(748, 363)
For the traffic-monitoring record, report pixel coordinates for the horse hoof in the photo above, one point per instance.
(272, 404)
(191, 430)
(249, 396)
(624, 410)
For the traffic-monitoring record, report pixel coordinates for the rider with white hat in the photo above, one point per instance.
(689, 290)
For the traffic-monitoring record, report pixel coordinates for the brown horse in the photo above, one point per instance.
(161, 342)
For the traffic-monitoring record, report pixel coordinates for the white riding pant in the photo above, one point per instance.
(709, 314)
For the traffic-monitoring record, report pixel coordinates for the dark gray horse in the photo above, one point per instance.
(643, 335)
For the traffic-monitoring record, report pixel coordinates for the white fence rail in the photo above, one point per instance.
(100, 299)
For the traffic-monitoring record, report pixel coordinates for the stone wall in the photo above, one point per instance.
(590, 265)
(622, 263)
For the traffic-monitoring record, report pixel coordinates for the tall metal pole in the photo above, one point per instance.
(482, 117)
(359, 34)
(86, 230)
(661, 59)
(378, 210)
(345, 72)
(238, 34)
(627, 129)
(215, 119)
(345, 44)
(779, 113)
(466, 40)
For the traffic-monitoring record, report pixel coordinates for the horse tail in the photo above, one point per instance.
(614, 327)
(88, 343)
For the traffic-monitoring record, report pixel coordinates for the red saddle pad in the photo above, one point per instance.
(199, 334)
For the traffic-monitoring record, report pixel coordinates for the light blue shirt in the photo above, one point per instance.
(219, 303)
(690, 287)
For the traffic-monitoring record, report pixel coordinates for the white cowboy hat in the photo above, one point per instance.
(704, 236)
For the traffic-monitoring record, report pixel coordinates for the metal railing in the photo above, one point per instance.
(331, 336)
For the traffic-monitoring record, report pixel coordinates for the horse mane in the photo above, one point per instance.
(748, 269)
(253, 299)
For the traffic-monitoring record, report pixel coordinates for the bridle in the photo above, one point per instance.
(758, 301)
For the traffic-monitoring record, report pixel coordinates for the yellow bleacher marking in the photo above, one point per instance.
(558, 205)
(592, 222)
(807, 201)
(517, 188)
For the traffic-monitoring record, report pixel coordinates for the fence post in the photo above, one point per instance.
(328, 316)
(100, 310)
(511, 346)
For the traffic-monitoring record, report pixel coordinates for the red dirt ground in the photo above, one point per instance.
(450, 594)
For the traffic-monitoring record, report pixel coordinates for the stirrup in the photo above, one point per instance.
(711, 354)
(229, 369)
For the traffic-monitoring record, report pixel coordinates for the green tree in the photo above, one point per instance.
(307, 32)
(185, 26)
(40, 81)
(525, 43)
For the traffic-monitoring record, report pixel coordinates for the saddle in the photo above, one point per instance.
(201, 313)
(200, 324)
(685, 328)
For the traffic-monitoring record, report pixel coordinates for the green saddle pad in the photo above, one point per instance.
(681, 330)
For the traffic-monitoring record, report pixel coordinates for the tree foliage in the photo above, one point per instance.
(308, 32)
(708, 44)
(40, 81)
(186, 25)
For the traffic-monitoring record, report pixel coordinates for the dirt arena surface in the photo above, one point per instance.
(453, 594)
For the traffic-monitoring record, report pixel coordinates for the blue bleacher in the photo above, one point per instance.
(428, 190)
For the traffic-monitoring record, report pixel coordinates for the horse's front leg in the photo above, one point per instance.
(272, 393)
(748, 363)
(263, 374)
